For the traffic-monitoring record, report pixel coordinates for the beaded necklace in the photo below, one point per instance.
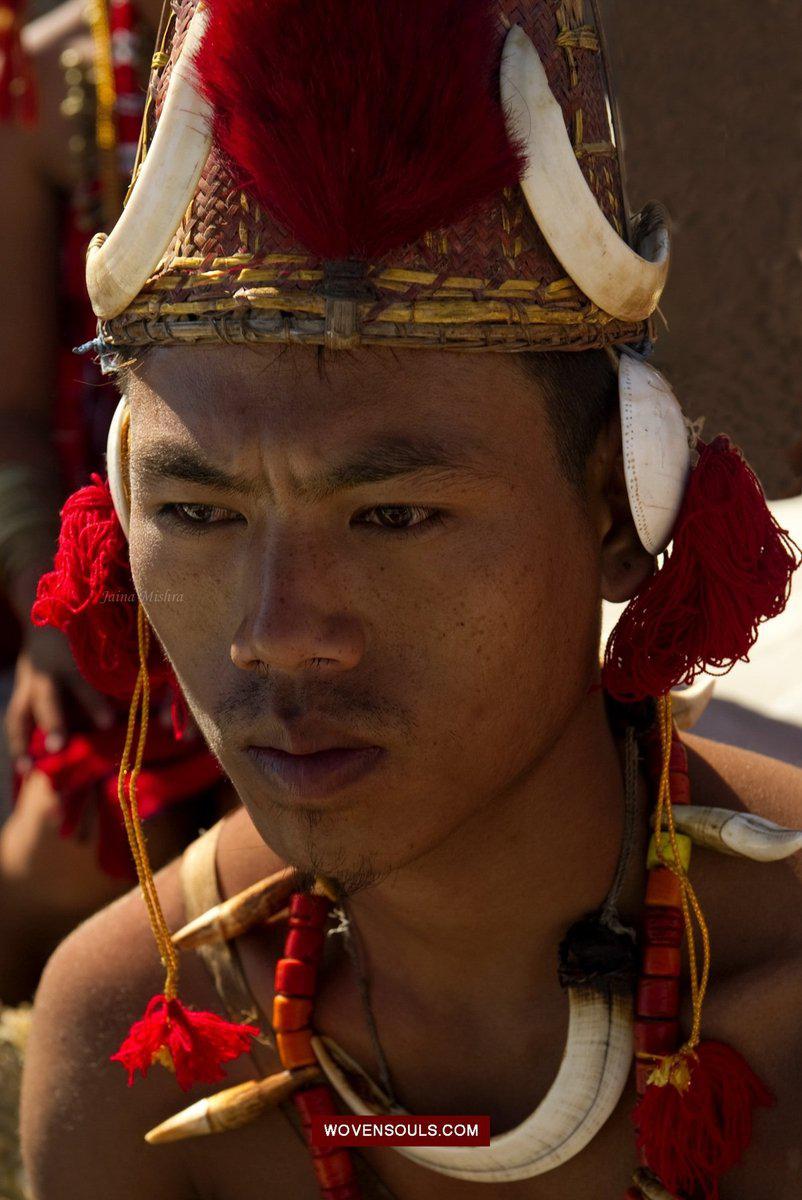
(657, 1029)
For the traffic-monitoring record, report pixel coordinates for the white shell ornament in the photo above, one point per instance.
(615, 277)
(114, 468)
(657, 456)
(586, 1091)
(742, 834)
(118, 266)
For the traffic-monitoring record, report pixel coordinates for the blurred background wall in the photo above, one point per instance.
(710, 96)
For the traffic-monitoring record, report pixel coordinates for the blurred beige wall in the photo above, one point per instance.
(710, 96)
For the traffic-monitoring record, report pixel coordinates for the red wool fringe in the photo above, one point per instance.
(193, 1044)
(359, 126)
(18, 100)
(729, 570)
(691, 1138)
(89, 596)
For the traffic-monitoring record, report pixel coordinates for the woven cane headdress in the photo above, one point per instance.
(425, 173)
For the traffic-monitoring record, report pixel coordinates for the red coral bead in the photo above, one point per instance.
(295, 978)
(314, 1102)
(661, 960)
(656, 1037)
(663, 926)
(348, 1191)
(680, 786)
(657, 998)
(334, 1169)
(308, 910)
(304, 943)
(678, 757)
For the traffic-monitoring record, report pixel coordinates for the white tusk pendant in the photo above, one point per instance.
(586, 1091)
(742, 834)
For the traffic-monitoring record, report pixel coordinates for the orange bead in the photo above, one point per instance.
(663, 889)
(295, 1048)
(293, 1012)
(661, 960)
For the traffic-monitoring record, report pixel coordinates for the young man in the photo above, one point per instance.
(390, 568)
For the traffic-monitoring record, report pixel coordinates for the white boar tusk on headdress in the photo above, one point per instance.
(119, 265)
(616, 278)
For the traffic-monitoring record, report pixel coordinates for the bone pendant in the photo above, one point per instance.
(232, 1108)
(262, 901)
(744, 835)
(589, 1084)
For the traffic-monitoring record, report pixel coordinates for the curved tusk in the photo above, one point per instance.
(119, 265)
(233, 917)
(616, 278)
(589, 1084)
(232, 1108)
(689, 705)
(657, 457)
(742, 834)
(114, 465)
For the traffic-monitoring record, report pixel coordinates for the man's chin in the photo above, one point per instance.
(305, 840)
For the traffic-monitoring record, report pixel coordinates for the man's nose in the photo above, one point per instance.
(297, 616)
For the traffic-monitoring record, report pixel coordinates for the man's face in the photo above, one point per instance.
(389, 593)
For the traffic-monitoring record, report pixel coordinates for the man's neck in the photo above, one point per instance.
(495, 899)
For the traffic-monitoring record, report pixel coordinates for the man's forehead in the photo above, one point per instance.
(224, 398)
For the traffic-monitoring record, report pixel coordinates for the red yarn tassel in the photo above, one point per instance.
(193, 1044)
(729, 570)
(359, 126)
(695, 1122)
(89, 595)
(17, 90)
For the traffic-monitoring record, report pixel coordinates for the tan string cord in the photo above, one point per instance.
(690, 904)
(140, 706)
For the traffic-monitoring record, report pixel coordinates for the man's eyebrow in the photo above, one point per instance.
(388, 459)
(163, 459)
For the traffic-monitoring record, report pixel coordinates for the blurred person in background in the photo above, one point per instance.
(72, 111)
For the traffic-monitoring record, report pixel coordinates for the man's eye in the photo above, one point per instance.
(398, 517)
(197, 514)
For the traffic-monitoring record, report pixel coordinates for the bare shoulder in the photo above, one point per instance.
(81, 1129)
(754, 913)
(727, 777)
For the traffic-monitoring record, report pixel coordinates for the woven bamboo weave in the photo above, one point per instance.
(489, 282)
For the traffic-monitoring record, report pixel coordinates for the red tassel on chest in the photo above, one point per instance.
(694, 1121)
(193, 1044)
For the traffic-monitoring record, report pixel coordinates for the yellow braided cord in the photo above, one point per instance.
(690, 902)
(106, 98)
(140, 706)
(158, 62)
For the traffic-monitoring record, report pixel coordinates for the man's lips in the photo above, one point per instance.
(317, 773)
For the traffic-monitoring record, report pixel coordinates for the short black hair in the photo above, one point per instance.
(581, 394)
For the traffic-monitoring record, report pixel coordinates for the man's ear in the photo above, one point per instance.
(625, 562)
